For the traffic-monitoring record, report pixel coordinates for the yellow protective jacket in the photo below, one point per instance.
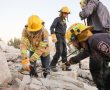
(38, 43)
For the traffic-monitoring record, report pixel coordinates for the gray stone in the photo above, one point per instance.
(5, 75)
(12, 56)
(85, 64)
(85, 74)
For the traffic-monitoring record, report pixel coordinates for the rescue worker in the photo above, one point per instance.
(97, 15)
(58, 29)
(35, 39)
(97, 46)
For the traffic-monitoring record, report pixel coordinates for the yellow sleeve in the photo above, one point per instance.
(24, 45)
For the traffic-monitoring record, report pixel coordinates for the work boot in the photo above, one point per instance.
(53, 68)
(47, 72)
(45, 75)
(33, 72)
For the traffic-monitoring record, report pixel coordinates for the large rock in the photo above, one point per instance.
(85, 64)
(5, 75)
(11, 53)
(11, 49)
(3, 46)
(55, 81)
(85, 74)
(72, 74)
(8, 49)
(12, 56)
(51, 83)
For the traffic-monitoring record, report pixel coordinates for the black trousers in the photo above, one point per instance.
(45, 64)
(61, 50)
(107, 79)
(98, 67)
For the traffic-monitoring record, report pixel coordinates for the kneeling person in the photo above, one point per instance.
(97, 46)
(35, 39)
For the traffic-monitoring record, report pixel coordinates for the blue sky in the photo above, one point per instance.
(14, 14)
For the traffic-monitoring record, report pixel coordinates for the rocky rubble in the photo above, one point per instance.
(5, 74)
(77, 79)
(55, 81)
(10, 52)
(84, 74)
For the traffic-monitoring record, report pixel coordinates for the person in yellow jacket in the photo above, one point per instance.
(35, 39)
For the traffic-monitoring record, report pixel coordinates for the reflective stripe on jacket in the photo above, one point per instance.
(37, 43)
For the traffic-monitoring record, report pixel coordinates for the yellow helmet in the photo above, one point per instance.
(81, 31)
(68, 32)
(34, 23)
(65, 9)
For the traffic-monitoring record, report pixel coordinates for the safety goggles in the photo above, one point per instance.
(73, 37)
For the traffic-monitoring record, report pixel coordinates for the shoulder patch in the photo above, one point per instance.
(104, 47)
(45, 40)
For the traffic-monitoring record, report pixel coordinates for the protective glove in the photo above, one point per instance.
(26, 64)
(67, 63)
(54, 39)
(65, 66)
(72, 61)
(83, 3)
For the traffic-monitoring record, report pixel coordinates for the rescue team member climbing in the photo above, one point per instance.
(97, 46)
(35, 40)
(58, 29)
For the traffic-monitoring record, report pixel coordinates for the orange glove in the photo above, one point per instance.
(54, 39)
(26, 64)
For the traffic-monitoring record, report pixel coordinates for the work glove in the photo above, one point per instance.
(25, 64)
(83, 3)
(66, 64)
(72, 61)
(54, 39)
